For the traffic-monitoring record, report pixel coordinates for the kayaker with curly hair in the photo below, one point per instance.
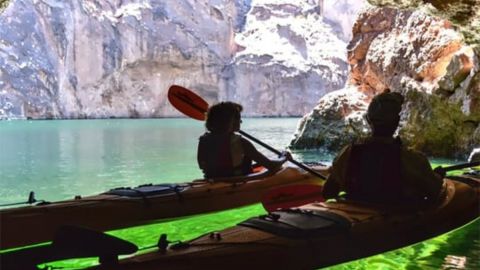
(380, 169)
(222, 152)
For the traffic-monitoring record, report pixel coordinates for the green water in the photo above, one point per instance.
(61, 159)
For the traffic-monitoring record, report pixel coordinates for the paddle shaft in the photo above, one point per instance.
(308, 169)
(462, 166)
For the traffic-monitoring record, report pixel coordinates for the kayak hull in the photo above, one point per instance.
(35, 224)
(371, 230)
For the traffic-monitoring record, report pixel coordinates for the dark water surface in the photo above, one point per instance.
(61, 159)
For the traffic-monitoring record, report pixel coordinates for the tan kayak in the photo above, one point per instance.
(315, 235)
(126, 207)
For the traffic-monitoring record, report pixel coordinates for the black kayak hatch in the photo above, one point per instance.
(147, 190)
(297, 223)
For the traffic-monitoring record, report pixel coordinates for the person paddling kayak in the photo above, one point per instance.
(222, 152)
(380, 169)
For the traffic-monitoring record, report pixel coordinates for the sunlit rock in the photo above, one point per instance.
(425, 59)
(390, 47)
(338, 118)
(283, 68)
(463, 13)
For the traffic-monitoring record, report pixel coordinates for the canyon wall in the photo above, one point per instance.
(103, 59)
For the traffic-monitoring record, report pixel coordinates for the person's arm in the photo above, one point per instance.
(258, 157)
(337, 174)
(434, 181)
(420, 174)
(330, 188)
(202, 156)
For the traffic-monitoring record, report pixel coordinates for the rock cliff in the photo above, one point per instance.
(464, 14)
(95, 59)
(283, 68)
(101, 59)
(419, 55)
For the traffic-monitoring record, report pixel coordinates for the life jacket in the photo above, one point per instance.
(374, 173)
(225, 156)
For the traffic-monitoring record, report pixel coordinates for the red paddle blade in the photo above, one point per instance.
(291, 196)
(187, 102)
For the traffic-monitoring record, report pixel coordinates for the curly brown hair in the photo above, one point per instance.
(220, 115)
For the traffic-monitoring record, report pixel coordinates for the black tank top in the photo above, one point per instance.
(374, 173)
(219, 157)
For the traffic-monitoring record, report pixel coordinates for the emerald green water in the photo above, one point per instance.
(61, 159)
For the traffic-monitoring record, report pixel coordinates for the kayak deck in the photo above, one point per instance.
(115, 209)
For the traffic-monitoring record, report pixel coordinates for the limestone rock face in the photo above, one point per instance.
(100, 59)
(392, 48)
(303, 62)
(426, 60)
(91, 59)
(342, 13)
(337, 119)
(463, 13)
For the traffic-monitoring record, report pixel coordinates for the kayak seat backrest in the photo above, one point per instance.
(299, 223)
(69, 242)
(147, 190)
(256, 175)
(80, 242)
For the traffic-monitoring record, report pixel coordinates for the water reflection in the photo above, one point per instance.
(59, 159)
